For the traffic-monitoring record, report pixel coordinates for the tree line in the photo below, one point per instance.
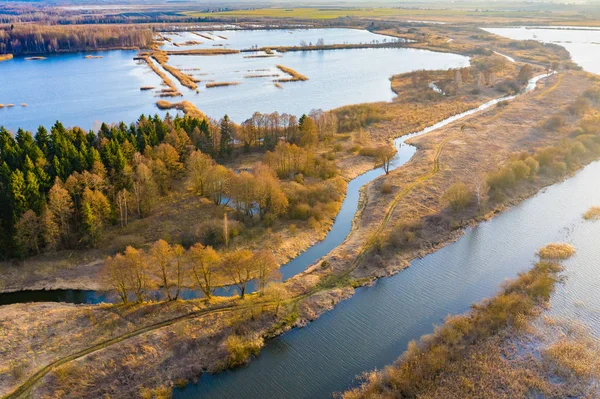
(167, 267)
(43, 39)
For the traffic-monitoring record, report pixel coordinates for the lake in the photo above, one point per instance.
(85, 92)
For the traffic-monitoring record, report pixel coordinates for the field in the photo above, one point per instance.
(433, 13)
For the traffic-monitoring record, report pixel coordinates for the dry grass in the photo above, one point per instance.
(172, 89)
(418, 371)
(93, 57)
(209, 51)
(295, 76)
(187, 107)
(5, 57)
(221, 84)
(162, 58)
(557, 251)
(592, 214)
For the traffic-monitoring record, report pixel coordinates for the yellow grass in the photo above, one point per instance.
(557, 251)
(23, 104)
(1, 105)
(203, 51)
(221, 84)
(295, 75)
(5, 57)
(161, 57)
(172, 92)
(187, 107)
(278, 85)
(593, 213)
(10, 105)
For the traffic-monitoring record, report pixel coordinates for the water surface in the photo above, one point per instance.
(582, 42)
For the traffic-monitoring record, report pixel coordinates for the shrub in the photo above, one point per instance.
(555, 122)
(557, 251)
(592, 214)
(404, 235)
(386, 188)
(242, 348)
(458, 196)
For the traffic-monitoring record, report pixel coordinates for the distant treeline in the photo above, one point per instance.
(42, 39)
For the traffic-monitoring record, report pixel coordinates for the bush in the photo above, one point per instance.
(557, 251)
(242, 348)
(592, 214)
(555, 122)
(386, 188)
(458, 196)
(404, 235)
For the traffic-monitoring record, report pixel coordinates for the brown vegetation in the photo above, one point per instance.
(5, 57)
(187, 107)
(172, 89)
(221, 84)
(43, 39)
(592, 214)
(162, 58)
(209, 51)
(295, 76)
(418, 371)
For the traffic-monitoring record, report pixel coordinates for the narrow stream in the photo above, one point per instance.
(336, 236)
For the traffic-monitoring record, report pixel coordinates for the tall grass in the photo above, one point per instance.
(295, 75)
(418, 369)
(592, 214)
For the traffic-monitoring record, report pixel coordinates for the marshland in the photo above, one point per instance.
(252, 255)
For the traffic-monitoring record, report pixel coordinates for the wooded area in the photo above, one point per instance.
(42, 39)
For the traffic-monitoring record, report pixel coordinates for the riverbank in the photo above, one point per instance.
(502, 347)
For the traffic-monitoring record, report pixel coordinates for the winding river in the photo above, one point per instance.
(371, 329)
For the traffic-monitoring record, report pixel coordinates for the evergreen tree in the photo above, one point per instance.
(226, 145)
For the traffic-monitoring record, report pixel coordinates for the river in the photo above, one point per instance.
(371, 329)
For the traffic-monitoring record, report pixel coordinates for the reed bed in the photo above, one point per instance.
(278, 85)
(295, 75)
(172, 89)
(187, 107)
(23, 104)
(145, 88)
(592, 214)
(557, 251)
(5, 57)
(35, 58)
(252, 76)
(222, 37)
(90, 57)
(1, 106)
(161, 57)
(203, 51)
(221, 84)
(204, 36)
(10, 105)
(263, 56)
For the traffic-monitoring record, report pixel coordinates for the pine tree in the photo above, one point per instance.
(226, 145)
